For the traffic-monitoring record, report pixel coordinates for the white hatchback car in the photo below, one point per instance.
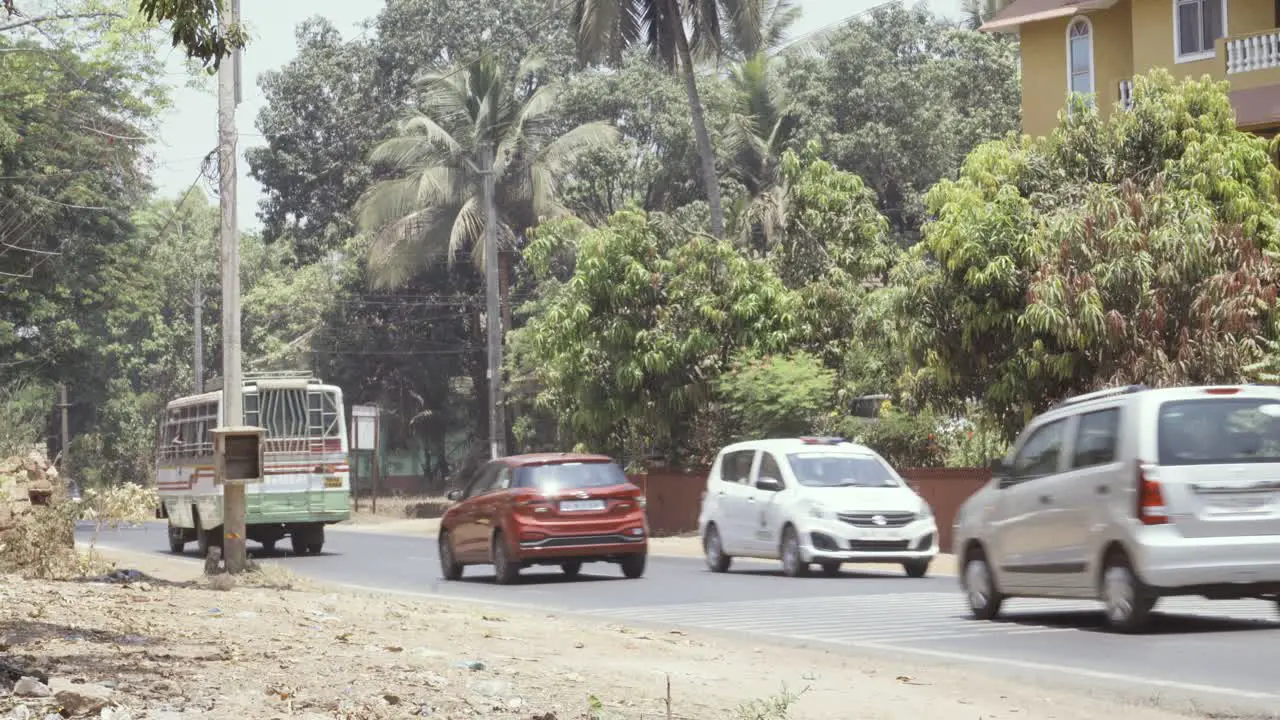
(1128, 495)
(813, 500)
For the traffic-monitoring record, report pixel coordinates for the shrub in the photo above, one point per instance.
(904, 439)
(776, 396)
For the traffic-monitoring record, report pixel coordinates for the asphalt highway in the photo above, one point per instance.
(1211, 655)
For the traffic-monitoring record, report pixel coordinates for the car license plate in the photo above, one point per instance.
(581, 505)
(1244, 503)
(333, 481)
(880, 534)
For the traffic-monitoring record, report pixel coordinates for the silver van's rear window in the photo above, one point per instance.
(1219, 431)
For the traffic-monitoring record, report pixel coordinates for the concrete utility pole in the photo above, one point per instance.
(233, 495)
(493, 315)
(197, 312)
(64, 406)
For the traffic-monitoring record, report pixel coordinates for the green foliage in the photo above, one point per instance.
(1132, 249)
(25, 407)
(196, 26)
(628, 347)
(900, 97)
(776, 396)
(905, 439)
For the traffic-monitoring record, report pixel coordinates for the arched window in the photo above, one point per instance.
(1080, 56)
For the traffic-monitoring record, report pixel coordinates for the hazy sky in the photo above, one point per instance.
(190, 129)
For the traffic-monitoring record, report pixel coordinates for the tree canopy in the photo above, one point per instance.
(1135, 248)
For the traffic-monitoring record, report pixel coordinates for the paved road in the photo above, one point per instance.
(1217, 654)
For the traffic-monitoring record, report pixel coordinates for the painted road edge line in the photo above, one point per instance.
(877, 646)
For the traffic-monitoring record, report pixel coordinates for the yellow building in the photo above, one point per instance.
(1097, 46)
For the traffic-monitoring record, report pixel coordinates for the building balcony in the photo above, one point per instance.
(1250, 62)
(1250, 53)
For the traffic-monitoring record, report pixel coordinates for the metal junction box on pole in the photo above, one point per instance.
(239, 454)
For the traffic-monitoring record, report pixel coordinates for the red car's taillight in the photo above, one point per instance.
(532, 504)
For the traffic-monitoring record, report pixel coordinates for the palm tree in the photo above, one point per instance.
(762, 126)
(977, 12)
(433, 205)
(757, 26)
(606, 27)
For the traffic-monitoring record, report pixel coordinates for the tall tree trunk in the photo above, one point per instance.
(705, 152)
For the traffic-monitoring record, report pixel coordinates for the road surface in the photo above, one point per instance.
(1217, 655)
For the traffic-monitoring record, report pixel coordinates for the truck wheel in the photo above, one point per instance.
(177, 540)
(307, 540)
(206, 539)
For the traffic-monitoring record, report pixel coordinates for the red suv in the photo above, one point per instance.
(545, 509)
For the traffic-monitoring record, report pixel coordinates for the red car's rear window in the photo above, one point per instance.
(570, 476)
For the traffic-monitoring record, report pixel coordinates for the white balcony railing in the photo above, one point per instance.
(1253, 52)
(1126, 94)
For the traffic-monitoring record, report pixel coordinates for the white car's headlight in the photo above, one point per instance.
(817, 511)
(926, 512)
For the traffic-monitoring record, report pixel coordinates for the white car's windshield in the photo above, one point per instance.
(841, 470)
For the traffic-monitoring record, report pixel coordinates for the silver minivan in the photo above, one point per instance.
(1128, 495)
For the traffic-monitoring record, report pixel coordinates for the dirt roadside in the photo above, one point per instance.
(687, 547)
(174, 647)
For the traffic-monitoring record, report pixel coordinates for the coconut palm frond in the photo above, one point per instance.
(757, 26)
(561, 152)
(434, 208)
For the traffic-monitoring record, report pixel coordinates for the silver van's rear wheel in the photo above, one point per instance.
(1127, 602)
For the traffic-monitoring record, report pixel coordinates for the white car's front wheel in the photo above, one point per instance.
(793, 564)
(713, 548)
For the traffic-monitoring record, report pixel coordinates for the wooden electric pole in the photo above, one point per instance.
(233, 492)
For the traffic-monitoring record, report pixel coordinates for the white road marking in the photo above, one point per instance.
(660, 614)
(904, 617)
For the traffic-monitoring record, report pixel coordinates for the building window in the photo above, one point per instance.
(1080, 57)
(1197, 24)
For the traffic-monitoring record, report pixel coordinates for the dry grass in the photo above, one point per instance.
(268, 576)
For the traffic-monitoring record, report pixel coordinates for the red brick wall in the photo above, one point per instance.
(945, 489)
(674, 499)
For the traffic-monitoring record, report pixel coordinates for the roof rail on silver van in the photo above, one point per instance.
(1099, 394)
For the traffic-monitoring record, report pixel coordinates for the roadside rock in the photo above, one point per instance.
(492, 689)
(31, 687)
(78, 699)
